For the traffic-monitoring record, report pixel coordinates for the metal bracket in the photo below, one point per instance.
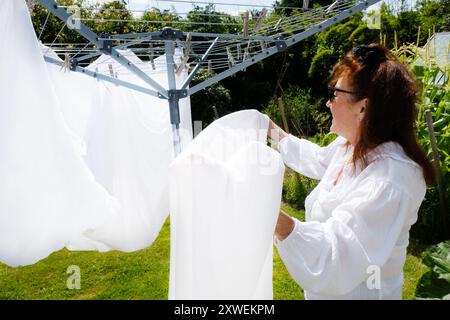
(175, 94)
(73, 64)
(171, 34)
(174, 98)
(106, 44)
(280, 43)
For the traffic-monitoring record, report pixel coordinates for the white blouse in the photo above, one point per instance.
(353, 243)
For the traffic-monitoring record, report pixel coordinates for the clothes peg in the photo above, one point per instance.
(152, 61)
(305, 4)
(187, 50)
(31, 4)
(111, 71)
(245, 30)
(209, 66)
(231, 60)
(263, 45)
(260, 20)
(245, 57)
(258, 24)
(332, 6)
(277, 25)
(66, 63)
(216, 114)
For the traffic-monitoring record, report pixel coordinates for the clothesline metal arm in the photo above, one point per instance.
(106, 78)
(283, 44)
(104, 45)
(197, 67)
(238, 67)
(120, 46)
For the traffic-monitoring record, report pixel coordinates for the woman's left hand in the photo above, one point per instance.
(285, 225)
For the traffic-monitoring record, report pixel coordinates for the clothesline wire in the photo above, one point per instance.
(201, 44)
(156, 21)
(218, 63)
(214, 60)
(217, 14)
(249, 50)
(45, 24)
(81, 50)
(150, 70)
(54, 40)
(231, 4)
(314, 15)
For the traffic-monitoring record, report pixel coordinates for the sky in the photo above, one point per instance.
(233, 7)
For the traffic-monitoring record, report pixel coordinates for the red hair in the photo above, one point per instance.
(392, 91)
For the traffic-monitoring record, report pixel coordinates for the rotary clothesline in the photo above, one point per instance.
(241, 51)
(289, 25)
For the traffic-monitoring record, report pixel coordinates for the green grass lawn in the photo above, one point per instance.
(143, 274)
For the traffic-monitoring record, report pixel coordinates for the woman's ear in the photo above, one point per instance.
(364, 107)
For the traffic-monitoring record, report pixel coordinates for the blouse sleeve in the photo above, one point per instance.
(332, 257)
(306, 157)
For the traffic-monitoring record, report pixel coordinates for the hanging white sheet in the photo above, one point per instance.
(225, 193)
(48, 196)
(83, 162)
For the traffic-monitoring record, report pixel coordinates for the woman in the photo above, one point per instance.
(373, 179)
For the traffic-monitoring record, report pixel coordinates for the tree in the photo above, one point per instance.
(211, 102)
(435, 14)
(165, 16)
(286, 6)
(115, 11)
(51, 28)
(208, 20)
(333, 43)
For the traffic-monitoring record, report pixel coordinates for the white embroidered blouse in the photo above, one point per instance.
(353, 243)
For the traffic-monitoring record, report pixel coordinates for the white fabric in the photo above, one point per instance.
(361, 222)
(225, 193)
(129, 148)
(48, 197)
(83, 162)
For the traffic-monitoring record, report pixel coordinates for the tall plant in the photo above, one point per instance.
(434, 216)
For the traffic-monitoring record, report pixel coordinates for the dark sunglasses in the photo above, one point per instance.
(332, 92)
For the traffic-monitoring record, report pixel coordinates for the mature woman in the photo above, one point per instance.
(373, 179)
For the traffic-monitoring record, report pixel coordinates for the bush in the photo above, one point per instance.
(435, 284)
(296, 188)
(324, 139)
(210, 103)
(303, 114)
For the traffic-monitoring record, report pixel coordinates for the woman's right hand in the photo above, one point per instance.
(275, 132)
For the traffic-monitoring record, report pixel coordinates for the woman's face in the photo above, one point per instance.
(346, 113)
